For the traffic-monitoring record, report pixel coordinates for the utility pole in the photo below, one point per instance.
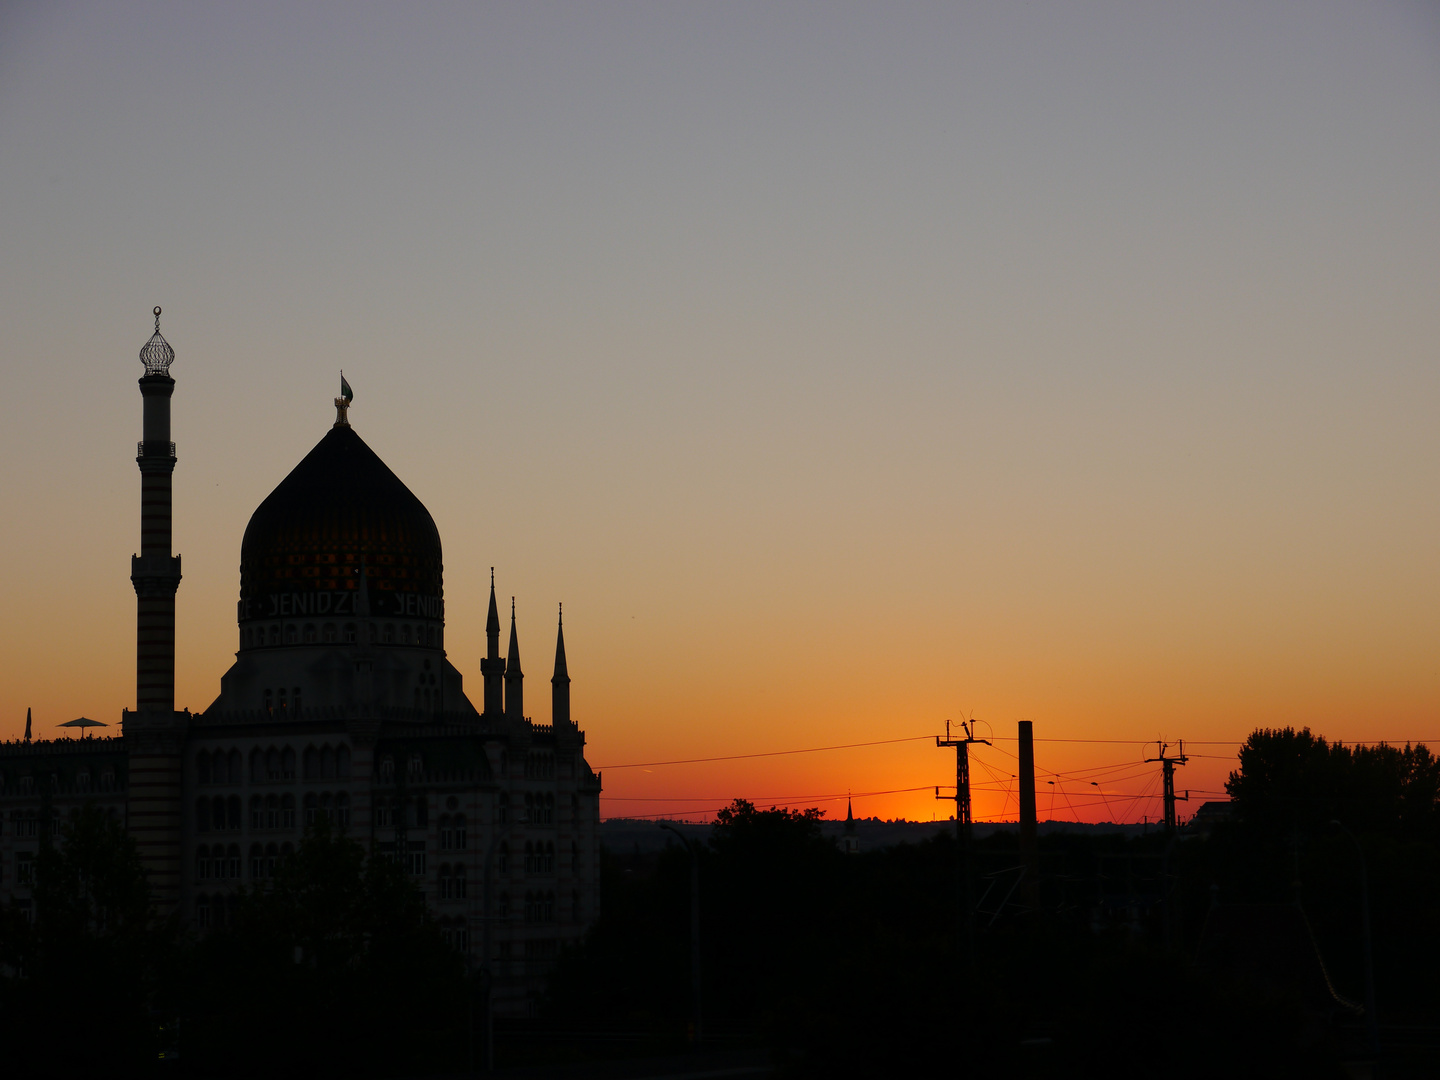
(1167, 765)
(963, 829)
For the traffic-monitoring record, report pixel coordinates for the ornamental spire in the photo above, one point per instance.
(157, 355)
(342, 403)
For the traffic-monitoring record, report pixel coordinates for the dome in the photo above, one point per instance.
(339, 510)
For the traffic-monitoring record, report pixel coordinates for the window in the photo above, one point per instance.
(502, 859)
(310, 634)
(342, 763)
(350, 633)
(257, 764)
(235, 767)
(459, 883)
(387, 769)
(232, 862)
(257, 812)
(24, 868)
(447, 835)
(327, 763)
(202, 766)
(502, 814)
(389, 633)
(202, 863)
(547, 811)
(383, 817)
(504, 906)
(272, 758)
(107, 780)
(329, 633)
(257, 862)
(405, 634)
(310, 809)
(202, 911)
(232, 805)
(272, 855)
(272, 813)
(287, 759)
(415, 858)
(342, 810)
(417, 767)
(548, 863)
(202, 815)
(529, 858)
(444, 883)
(287, 812)
(27, 785)
(291, 635)
(310, 764)
(460, 837)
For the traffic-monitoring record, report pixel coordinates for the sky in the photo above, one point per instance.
(844, 369)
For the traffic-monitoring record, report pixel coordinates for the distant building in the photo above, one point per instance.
(342, 703)
(850, 843)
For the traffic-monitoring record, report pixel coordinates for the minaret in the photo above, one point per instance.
(560, 683)
(492, 667)
(514, 678)
(154, 733)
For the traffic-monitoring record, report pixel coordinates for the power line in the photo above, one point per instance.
(768, 753)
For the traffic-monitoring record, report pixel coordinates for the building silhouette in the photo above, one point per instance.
(342, 703)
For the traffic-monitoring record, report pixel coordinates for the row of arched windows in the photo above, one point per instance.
(539, 766)
(452, 881)
(264, 860)
(454, 833)
(417, 812)
(272, 812)
(218, 813)
(455, 934)
(326, 762)
(334, 808)
(539, 858)
(219, 767)
(217, 863)
(216, 910)
(540, 809)
(539, 906)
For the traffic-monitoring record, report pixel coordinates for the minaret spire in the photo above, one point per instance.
(560, 683)
(342, 403)
(492, 667)
(514, 677)
(27, 725)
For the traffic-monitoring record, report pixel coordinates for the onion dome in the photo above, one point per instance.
(157, 355)
(341, 514)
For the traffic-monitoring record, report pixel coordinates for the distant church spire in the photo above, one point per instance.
(492, 667)
(560, 683)
(27, 725)
(514, 678)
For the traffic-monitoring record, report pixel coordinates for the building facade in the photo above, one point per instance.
(342, 704)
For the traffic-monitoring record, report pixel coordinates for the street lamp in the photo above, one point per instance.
(1372, 1022)
(694, 850)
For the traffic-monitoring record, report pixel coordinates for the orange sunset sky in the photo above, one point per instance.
(843, 369)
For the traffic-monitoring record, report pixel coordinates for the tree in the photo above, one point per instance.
(92, 959)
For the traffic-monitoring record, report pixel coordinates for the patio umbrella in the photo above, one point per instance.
(83, 722)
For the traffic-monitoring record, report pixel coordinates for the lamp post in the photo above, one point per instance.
(1372, 1022)
(694, 922)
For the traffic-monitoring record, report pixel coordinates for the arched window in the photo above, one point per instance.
(504, 906)
(232, 812)
(549, 811)
(350, 633)
(287, 812)
(530, 809)
(272, 764)
(310, 634)
(459, 885)
(389, 633)
(532, 907)
(311, 805)
(444, 881)
(327, 763)
(202, 815)
(342, 810)
(202, 911)
(287, 759)
(529, 857)
(405, 634)
(232, 862)
(274, 635)
(461, 839)
(342, 762)
(310, 763)
(327, 806)
(447, 834)
(387, 769)
(257, 766)
(107, 780)
(549, 866)
(291, 635)
(547, 909)
(202, 862)
(272, 854)
(257, 812)
(272, 812)
(202, 765)
(235, 767)
(502, 859)
(257, 862)
(417, 767)
(329, 633)
(502, 813)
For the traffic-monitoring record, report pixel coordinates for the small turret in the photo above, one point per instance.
(514, 677)
(560, 682)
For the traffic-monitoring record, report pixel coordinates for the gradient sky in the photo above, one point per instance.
(843, 368)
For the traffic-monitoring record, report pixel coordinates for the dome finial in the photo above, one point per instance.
(157, 355)
(342, 403)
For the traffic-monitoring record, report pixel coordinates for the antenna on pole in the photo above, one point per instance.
(1167, 766)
